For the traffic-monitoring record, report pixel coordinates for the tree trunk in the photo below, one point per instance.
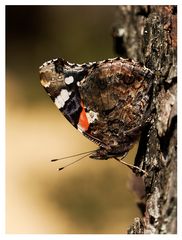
(148, 34)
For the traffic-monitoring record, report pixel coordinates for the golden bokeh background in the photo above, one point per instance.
(91, 196)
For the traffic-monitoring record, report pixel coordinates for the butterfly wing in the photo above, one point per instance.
(106, 100)
(60, 82)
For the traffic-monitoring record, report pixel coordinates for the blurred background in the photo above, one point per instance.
(88, 197)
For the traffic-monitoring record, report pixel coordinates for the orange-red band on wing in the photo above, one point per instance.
(83, 121)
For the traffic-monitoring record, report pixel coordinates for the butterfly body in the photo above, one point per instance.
(106, 101)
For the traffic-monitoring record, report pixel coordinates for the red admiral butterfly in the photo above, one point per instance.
(107, 101)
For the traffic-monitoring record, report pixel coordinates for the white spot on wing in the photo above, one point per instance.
(48, 62)
(59, 102)
(91, 116)
(69, 80)
(62, 98)
(78, 84)
(64, 94)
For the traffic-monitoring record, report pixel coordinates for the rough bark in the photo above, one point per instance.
(148, 34)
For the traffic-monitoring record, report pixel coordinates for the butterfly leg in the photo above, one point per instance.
(132, 167)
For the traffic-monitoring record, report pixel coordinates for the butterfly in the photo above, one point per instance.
(107, 101)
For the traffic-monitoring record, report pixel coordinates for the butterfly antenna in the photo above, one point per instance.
(71, 156)
(59, 169)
